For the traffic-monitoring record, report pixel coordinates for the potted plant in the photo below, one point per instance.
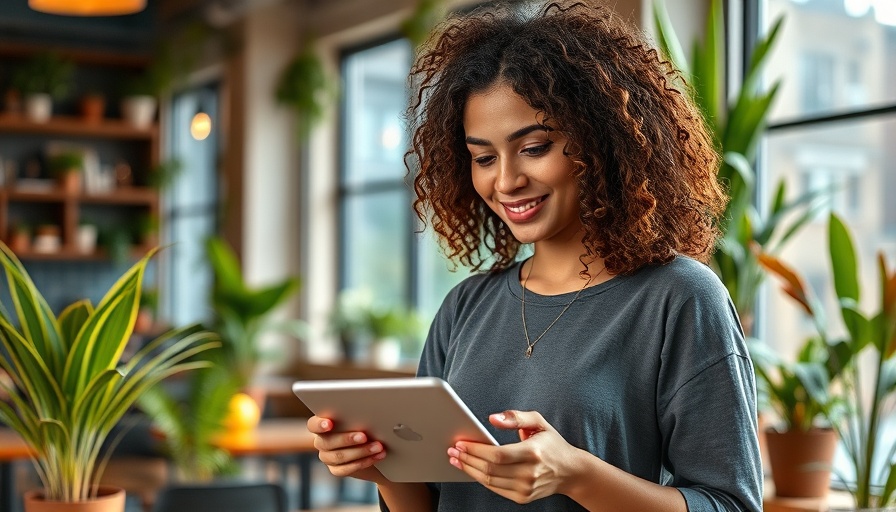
(44, 77)
(70, 387)
(141, 98)
(390, 329)
(384, 331)
(190, 417)
(92, 106)
(242, 313)
(305, 87)
(863, 355)
(66, 167)
(801, 446)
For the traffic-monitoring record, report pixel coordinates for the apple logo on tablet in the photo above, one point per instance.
(407, 433)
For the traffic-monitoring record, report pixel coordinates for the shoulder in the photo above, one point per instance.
(477, 286)
(684, 278)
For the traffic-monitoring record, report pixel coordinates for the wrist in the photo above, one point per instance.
(582, 477)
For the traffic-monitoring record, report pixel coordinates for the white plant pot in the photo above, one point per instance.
(38, 107)
(139, 111)
(385, 353)
(87, 234)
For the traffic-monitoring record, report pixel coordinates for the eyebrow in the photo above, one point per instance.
(522, 132)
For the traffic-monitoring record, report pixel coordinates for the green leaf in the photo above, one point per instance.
(843, 260)
(668, 40)
(228, 275)
(72, 319)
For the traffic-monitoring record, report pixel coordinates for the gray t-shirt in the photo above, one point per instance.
(648, 371)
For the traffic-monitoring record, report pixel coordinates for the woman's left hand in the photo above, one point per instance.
(539, 465)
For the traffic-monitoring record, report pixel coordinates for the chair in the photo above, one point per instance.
(222, 497)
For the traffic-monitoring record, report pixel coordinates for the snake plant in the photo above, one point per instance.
(69, 384)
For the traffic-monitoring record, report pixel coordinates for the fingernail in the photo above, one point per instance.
(502, 416)
(358, 438)
(453, 452)
(325, 424)
(460, 447)
(376, 448)
(380, 456)
(454, 462)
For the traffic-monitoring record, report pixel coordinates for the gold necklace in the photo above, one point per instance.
(530, 345)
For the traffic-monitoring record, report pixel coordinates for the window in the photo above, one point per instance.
(831, 128)
(190, 209)
(380, 248)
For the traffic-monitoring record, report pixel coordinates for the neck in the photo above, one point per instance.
(550, 274)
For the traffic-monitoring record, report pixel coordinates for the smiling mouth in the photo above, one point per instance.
(521, 207)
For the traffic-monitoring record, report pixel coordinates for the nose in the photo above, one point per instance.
(509, 177)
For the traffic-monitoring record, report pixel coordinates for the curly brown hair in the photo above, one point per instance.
(644, 161)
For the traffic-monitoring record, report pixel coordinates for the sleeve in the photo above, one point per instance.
(707, 407)
(435, 349)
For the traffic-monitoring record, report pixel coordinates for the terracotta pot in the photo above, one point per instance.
(801, 462)
(109, 499)
(93, 108)
(70, 181)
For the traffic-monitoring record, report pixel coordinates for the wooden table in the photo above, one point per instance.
(12, 448)
(287, 438)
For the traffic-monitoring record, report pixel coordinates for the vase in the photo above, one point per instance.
(109, 499)
(801, 461)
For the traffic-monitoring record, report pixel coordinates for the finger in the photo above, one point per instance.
(318, 425)
(350, 468)
(527, 423)
(500, 483)
(496, 455)
(338, 440)
(350, 455)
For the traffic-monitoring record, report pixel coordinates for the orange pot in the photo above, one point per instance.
(801, 462)
(109, 499)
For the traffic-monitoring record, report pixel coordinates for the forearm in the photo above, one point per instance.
(602, 487)
(405, 497)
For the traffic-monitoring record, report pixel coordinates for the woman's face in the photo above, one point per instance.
(519, 169)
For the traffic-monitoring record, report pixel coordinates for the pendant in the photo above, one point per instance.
(529, 352)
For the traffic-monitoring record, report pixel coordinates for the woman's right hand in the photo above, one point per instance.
(347, 453)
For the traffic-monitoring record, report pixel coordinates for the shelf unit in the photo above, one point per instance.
(66, 208)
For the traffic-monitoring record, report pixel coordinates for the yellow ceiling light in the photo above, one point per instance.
(88, 7)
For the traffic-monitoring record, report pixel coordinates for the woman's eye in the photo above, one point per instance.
(482, 161)
(538, 150)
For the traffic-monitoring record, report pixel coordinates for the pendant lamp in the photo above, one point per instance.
(201, 125)
(88, 7)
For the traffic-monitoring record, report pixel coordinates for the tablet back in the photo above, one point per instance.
(416, 419)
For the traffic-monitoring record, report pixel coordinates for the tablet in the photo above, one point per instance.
(416, 419)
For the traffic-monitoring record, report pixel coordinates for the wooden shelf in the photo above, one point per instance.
(122, 196)
(139, 196)
(68, 254)
(81, 56)
(76, 127)
(33, 202)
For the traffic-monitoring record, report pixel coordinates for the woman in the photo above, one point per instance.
(610, 364)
